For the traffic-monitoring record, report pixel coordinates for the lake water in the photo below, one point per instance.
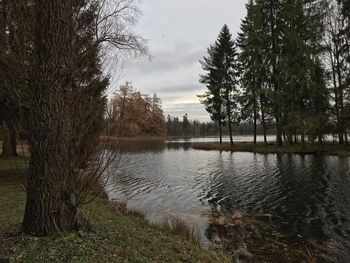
(308, 195)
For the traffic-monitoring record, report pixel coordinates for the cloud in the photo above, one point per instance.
(180, 89)
(179, 33)
(167, 60)
(193, 110)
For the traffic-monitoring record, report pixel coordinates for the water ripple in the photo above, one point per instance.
(308, 195)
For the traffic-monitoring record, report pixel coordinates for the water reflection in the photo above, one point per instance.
(307, 195)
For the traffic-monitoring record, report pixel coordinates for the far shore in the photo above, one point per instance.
(325, 148)
(145, 138)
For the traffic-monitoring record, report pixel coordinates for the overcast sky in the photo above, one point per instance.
(178, 33)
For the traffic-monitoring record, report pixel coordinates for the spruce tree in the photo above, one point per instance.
(212, 99)
(302, 34)
(271, 15)
(226, 64)
(253, 70)
(221, 79)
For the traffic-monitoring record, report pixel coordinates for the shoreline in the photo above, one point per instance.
(116, 235)
(323, 149)
(110, 220)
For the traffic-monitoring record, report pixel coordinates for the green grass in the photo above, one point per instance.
(115, 236)
(326, 148)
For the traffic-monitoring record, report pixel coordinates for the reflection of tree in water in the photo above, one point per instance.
(303, 188)
(179, 145)
(142, 146)
(305, 194)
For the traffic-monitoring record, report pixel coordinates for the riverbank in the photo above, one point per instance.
(114, 237)
(327, 149)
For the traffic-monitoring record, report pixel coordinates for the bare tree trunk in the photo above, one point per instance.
(303, 140)
(50, 176)
(255, 123)
(264, 127)
(6, 143)
(285, 137)
(228, 109)
(13, 141)
(319, 138)
(336, 100)
(279, 131)
(9, 144)
(220, 130)
(230, 129)
(340, 93)
(262, 103)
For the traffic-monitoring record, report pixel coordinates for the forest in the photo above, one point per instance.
(287, 73)
(289, 64)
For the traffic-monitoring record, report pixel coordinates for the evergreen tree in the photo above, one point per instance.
(302, 34)
(253, 70)
(221, 80)
(279, 55)
(336, 45)
(271, 42)
(225, 60)
(212, 99)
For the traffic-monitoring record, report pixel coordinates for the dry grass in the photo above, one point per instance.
(121, 206)
(174, 225)
(179, 227)
(308, 254)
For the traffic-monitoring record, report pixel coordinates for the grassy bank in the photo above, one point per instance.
(330, 149)
(114, 237)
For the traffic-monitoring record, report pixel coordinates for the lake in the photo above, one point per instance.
(308, 195)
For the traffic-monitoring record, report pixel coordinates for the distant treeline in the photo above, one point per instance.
(186, 128)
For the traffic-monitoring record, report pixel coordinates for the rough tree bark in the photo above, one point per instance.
(48, 207)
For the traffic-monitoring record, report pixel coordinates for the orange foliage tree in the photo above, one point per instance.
(132, 113)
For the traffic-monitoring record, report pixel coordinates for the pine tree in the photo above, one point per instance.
(221, 79)
(279, 55)
(302, 35)
(186, 125)
(212, 99)
(227, 67)
(253, 70)
(345, 53)
(271, 15)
